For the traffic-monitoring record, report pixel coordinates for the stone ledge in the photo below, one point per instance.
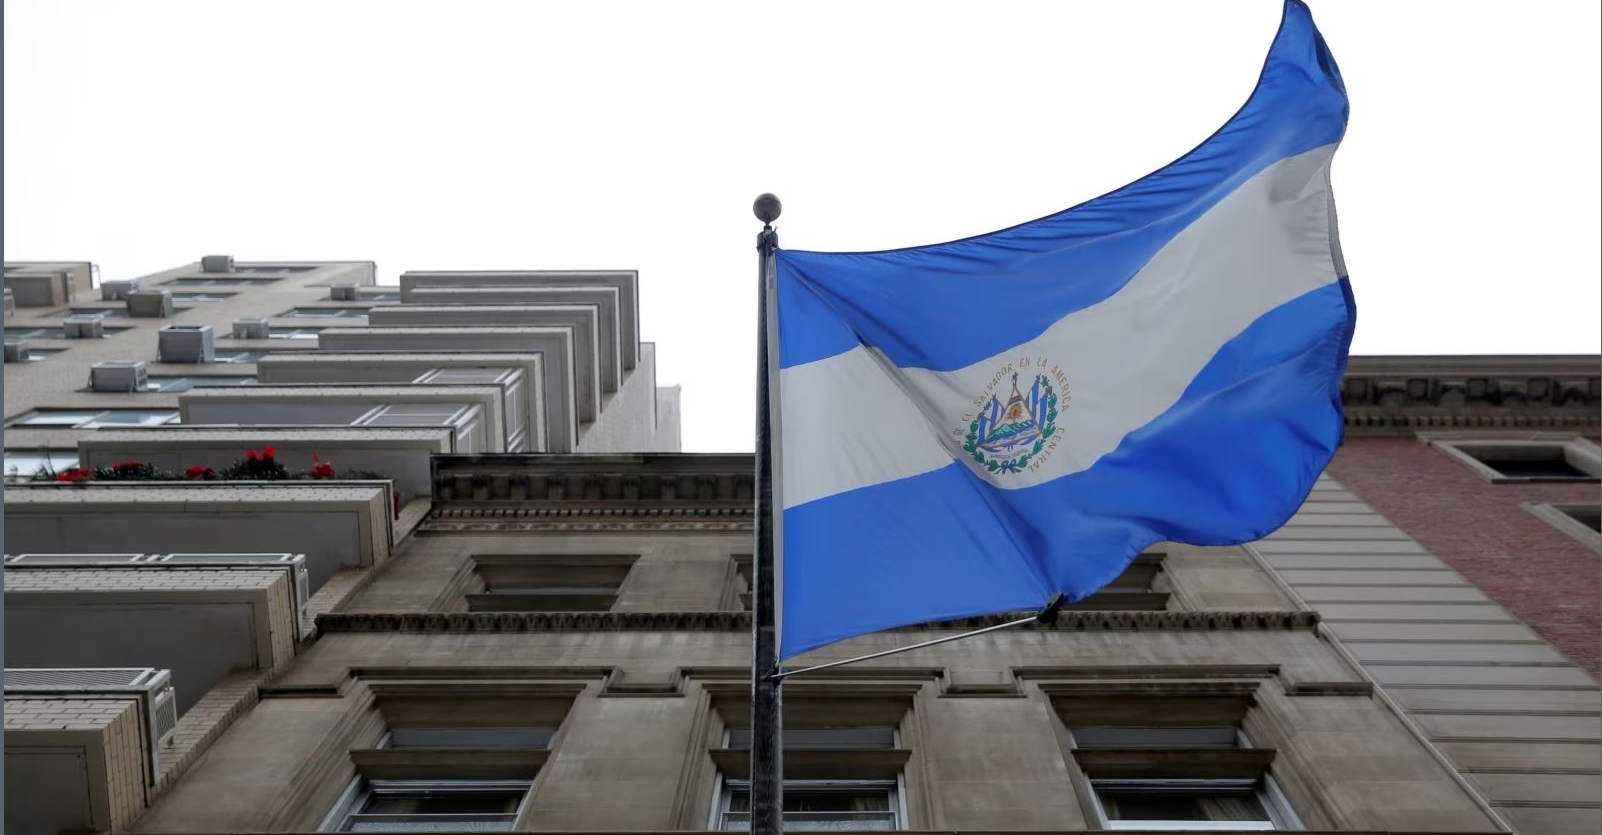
(1068, 621)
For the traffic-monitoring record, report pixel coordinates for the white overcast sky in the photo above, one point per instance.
(603, 135)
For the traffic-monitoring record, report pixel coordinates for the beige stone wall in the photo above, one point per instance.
(629, 758)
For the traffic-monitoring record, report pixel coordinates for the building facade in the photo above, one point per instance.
(523, 610)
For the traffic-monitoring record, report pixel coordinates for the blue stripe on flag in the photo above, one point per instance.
(917, 305)
(1228, 463)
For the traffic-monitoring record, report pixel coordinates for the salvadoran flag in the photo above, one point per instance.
(971, 427)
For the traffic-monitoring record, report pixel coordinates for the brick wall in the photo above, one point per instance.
(1538, 573)
(126, 740)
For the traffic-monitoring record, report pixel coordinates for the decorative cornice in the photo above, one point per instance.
(1069, 621)
(1405, 394)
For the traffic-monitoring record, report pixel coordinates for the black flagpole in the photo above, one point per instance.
(767, 765)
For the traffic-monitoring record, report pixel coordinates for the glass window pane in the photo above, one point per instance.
(133, 418)
(61, 417)
(23, 464)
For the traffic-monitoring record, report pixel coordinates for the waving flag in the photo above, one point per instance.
(972, 427)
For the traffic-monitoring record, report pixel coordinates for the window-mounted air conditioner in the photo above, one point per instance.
(251, 329)
(152, 687)
(150, 304)
(17, 351)
(217, 264)
(186, 343)
(118, 290)
(84, 326)
(343, 293)
(118, 375)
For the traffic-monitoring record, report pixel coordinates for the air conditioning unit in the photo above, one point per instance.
(295, 564)
(217, 264)
(116, 291)
(343, 293)
(186, 343)
(84, 326)
(152, 687)
(119, 375)
(251, 329)
(11, 303)
(17, 351)
(150, 304)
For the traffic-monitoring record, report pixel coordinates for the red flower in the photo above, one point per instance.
(73, 474)
(250, 454)
(320, 468)
(267, 453)
(196, 473)
(126, 466)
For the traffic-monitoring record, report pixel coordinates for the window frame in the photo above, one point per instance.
(1281, 815)
(727, 787)
(68, 459)
(362, 789)
(92, 422)
(1578, 453)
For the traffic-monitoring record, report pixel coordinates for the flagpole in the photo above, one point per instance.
(767, 765)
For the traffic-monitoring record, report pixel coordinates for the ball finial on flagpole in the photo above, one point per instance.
(767, 208)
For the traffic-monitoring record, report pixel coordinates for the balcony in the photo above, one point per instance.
(336, 524)
(476, 414)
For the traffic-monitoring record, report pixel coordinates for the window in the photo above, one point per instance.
(42, 354)
(238, 356)
(548, 583)
(197, 281)
(177, 384)
(269, 269)
(433, 806)
(201, 297)
(94, 418)
(1192, 777)
(109, 312)
(293, 333)
(848, 800)
(385, 296)
(414, 414)
(1523, 461)
(20, 465)
(448, 376)
(26, 333)
(458, 756)
(1134, 590)
(818, 806)
(325, 313)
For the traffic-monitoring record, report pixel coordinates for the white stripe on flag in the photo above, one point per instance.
(853, 420)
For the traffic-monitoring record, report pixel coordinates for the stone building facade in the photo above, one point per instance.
(560, 640)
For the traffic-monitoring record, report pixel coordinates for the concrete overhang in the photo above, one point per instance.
(564, 408)
(597, 352)
(336, 524)
(627, 283)
(199, 623)
(81, 773)
(604, 297)
(409, 368)
(401, 454)
(336, 405)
